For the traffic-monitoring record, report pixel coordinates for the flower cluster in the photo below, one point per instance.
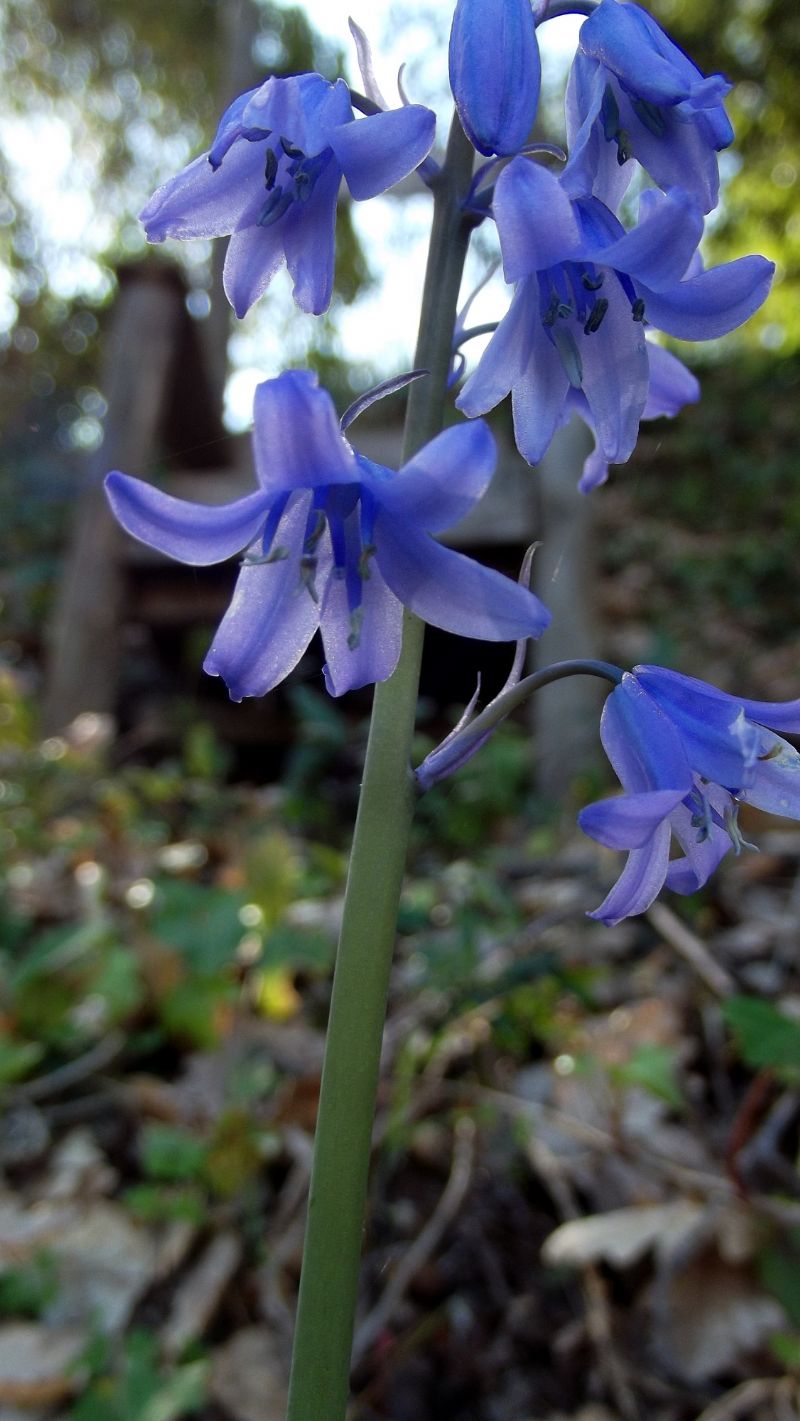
(686, 755)
(331, 541)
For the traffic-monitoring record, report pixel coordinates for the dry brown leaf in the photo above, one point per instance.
(622, 1236)
(104, 1263)
(248, 1375)
(714, 1315)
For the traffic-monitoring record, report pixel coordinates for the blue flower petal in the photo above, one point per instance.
(628, 821)
(713, 303)
(626, 39)
(537, 399)
(659, 248)
(376, 152)
(300, 107)
(229, 128)
(776, 783)
(721, 745)
(451, 591)
(194, 533)
(536, 220)
(308, 232)
(200, 202)
(375, 656)
(701, 855)
(495, 72)
(615, 375)
(641, 742)
(272, 617)
(592, 165)
(296, 436)
(672, 385)
(507, 355)
(444, 480)
(640, 881)
(252, 259)
(683, 155)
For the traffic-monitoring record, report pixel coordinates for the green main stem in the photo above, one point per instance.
(319, 1386)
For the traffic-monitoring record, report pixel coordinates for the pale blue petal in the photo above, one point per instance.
(200, 202)
(229, 128)
(376, 152)
(308, 231)
(507, 355)
(444, 480)
(592, 166)
(672, 385)
(495, 72)
(536, 220)
(776, 784)
(615, 375)
(271, 619)
(296, 436)
(452, 591)
(701, 855)
(378, 649)
(660, 247)
(300, 107)
(640, 881)
(628, 821)
(252, 259)
(538, 396)
(683, 155)
(194, 533)
(713, 303)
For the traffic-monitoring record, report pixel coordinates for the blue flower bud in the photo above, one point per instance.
(495, 72)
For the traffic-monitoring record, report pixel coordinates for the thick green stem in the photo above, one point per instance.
(328, 1287)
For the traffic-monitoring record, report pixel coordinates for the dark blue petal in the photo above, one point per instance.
(444, 480)
(701, 855)
(375, 656)
(592, 165)
(641, 741)
(229, 128)
(640, 881)
(271, 619)
(296, 436)
(452, 591)
(536, 220)
(194, 533)
(720, 743)
(495, 72)
(376, 152)
(682, 155)
(627, 40)
(710, 305)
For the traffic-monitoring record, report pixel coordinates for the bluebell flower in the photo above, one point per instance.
(335, 542)
(633, 93)
(271, 180)
(585, 288)
(495, 72)
(686, 755)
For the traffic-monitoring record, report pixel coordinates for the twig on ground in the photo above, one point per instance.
(691, 949)
(63, 1078)
(426, 1241)
(742, 1399)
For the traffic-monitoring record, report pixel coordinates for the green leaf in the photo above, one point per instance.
(785, 1346)
(171, 1154)
(653, 1068)
(765, 1037)
(780, 1275)
(202, 923)
(17, 1059)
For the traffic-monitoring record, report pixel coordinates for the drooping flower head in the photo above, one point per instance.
(334, 542)
(495, 72)
(686, 755)
(271, 180)
(633, 93)
(585, 288)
